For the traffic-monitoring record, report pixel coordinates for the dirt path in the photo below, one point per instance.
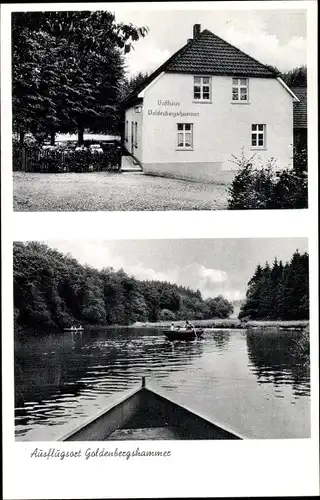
(102, 191)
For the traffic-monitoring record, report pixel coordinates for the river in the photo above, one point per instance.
(252, 381)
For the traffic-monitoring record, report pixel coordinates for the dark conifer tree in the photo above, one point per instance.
(280, 292)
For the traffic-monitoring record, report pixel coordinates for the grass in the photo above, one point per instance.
(100, 191)
(280, 323)
(233, 324)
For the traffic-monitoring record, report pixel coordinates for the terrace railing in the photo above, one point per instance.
(36, 159)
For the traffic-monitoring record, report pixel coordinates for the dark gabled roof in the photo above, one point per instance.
(300, 118)
(133, 96)
(208, 54)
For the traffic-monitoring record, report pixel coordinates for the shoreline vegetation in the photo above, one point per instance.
(53, 291)
(213, 324)
(220, 324)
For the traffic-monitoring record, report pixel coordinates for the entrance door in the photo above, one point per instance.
(132, 137)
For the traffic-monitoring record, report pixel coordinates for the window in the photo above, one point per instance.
(126, 131)
(258, 136)
(240, 89)
(202, 88)
(185, 135)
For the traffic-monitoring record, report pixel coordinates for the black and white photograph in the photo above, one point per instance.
(162, 339)
(122, 109)
(159, 245)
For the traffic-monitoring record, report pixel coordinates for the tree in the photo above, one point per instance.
(132, 83)
(296, 288)
(251, 306)
(219, 307)
(296, 77)
(279, 292)
(166, 315)
(52, 290)
(67, 69)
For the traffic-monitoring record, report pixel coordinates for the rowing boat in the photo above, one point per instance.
(183, 334)
(146, 414)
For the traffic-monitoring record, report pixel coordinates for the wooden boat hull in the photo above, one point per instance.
(146, 414)
(183, 334)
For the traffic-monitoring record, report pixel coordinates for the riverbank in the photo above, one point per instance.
(230, 323)
(206, 324)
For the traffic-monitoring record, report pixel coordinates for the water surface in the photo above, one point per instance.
(252, 382)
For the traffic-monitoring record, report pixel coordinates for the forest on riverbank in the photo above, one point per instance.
(53, 290)
(279, 291)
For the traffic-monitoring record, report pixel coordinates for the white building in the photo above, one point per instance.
(207, 102)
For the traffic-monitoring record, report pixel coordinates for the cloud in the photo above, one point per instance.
(146, 58)
(231, 295)
(267, 48)
(210, 281)
(195, 276)
(252, 38)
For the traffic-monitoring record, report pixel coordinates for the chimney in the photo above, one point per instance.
(196, 30)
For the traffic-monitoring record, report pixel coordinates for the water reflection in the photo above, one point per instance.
(61, 377)
(94, 362)
(221, 339)
(275, 358)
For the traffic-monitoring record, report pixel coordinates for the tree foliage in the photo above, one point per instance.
(280, 291)
(132, 83)
(52, 290)
(296, 77)
(267, 187)
(67, 70)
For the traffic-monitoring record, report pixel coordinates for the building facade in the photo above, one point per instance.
(300, 120)
(204, 107)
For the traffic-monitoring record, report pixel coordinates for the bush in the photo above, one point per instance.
(267, 187)
(166, 315)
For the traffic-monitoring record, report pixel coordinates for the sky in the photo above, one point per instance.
(214, 266)
(275, 37)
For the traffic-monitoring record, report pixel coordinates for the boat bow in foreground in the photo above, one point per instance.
(145, 414)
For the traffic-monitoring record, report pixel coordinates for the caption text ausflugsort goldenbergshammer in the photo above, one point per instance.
(88, 453)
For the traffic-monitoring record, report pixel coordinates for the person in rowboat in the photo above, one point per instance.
(188, 326)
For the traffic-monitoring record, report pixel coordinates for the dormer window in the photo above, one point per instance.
(240, 89)
(202, 88)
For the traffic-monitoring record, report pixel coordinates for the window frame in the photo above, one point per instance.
(126, 130)
(256, 133)
(201, 85)
(240, 86)
(183, 131)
